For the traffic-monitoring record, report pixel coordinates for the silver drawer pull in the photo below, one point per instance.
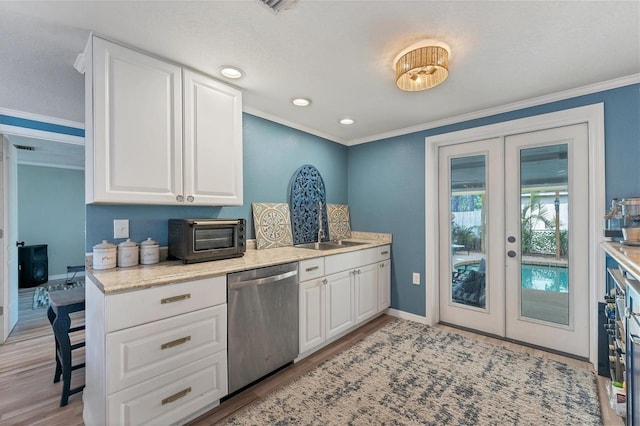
(176, 396)
(176, 298)
(384, 252)
(313, 268)
(176, 342)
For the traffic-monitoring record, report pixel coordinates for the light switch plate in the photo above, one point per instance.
(121, 228)
(416, 278)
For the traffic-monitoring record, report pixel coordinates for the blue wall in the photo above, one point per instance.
(51, 211)
(386, 181)
(272, 153)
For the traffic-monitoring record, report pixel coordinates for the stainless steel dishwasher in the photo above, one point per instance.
(262, 322)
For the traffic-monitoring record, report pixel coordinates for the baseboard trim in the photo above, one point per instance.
(407, 316)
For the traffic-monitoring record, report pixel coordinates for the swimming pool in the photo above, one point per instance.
(540, 277)
(543, 277)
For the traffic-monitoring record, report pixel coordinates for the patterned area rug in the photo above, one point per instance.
(410, 374)
(41, 294)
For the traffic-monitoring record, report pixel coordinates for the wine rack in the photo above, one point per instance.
(614, 310)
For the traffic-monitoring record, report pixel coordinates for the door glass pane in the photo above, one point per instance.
(468, 230)
(544, 227)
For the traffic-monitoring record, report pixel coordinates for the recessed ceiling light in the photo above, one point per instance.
(347, 121)
(301, 102)
(231, 72)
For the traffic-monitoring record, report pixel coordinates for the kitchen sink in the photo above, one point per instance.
(346, 243)
(329, 245)
(318, 246)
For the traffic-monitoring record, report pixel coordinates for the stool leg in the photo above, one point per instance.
(52, 316)
(61, 325)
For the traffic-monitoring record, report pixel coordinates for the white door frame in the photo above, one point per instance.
(593, 115)
(7, 129)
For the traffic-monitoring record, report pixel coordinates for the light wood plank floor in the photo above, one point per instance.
(29, 396)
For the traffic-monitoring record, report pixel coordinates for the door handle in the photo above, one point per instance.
(511, 239)
(511, 253)
(19, 243)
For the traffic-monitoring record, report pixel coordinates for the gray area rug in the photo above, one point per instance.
(410, 374)
(41, 294)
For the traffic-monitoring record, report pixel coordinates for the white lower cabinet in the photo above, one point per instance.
(172, 396)
(365, 281)
(341, 291)
(339, 306)
(312, 313)
(166, 366)
(384, 285)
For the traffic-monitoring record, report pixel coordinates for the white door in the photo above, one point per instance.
(471, 245)
(514, 237)
(547, 279)
(9, 276)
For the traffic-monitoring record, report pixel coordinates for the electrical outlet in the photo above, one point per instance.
(416, 278)
(121, 228)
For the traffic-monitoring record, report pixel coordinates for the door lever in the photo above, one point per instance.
(19, 243)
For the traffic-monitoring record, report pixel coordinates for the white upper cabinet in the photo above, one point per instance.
(212, 141)
(157, 133)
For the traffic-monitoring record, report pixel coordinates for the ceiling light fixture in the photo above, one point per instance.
(347, 121)
(422, 65)
(231, 72)
(301, 102)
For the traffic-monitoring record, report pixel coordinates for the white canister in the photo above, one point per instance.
(127, 253)
(149, 252)
(104, 255)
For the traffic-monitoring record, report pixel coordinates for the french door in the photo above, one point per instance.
(513, 216)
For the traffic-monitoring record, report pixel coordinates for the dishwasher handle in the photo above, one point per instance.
(261, 281)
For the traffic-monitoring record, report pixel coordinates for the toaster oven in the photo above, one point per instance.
(201, 240)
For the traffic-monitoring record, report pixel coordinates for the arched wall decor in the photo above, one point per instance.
(305, 192)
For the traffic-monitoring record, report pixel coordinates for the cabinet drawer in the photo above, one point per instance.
(140, 353)
(310, 269)
(151, 304)
(350, 260)
(384, 253)
(172, 396)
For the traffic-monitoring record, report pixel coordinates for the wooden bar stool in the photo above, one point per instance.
(61, 304)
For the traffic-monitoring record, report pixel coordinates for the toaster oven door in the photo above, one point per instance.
(214, 238)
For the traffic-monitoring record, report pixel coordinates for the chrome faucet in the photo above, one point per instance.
(320, 228)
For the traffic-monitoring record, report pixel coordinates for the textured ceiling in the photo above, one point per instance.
(338, 53)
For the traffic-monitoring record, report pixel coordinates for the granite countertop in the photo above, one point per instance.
(627, 256)
(119, 280)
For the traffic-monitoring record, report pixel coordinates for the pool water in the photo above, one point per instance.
(541, 277)
(548, 278)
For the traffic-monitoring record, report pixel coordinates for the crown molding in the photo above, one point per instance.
(41, 118)
(541, 100)
(276, 119)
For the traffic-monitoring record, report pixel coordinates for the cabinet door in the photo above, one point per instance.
(312, 314)
(136, 152)
(339, 299)
(384, 285)
(366, 292)
(212, 142)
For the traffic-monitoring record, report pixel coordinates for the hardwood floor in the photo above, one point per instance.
(29, 396)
